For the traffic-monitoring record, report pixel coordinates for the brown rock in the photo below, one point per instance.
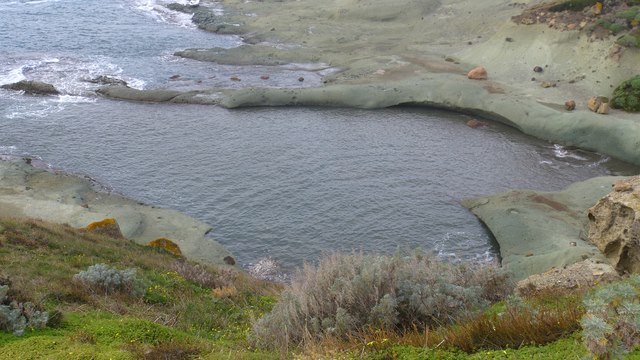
(229, 260)
(572, 26)
(108, 227)
(547, 84)
(234, 78)
(264, 77)
(585, 273)
(475, 123)
(570, 105)
(603, 108)
(614, 225)
(477, 73)
(594, 103)
(301, 79)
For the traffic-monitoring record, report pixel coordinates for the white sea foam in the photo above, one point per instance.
(560, 152)
(160, 13)
(8, 150)
(72, 99)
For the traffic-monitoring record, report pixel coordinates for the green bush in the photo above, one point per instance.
(573, 5)
(627, 95)
(105, 279)
(16, 317)
(346, 294)
(611, 325)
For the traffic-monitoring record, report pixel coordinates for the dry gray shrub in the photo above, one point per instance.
(345, 294)
(204, 276)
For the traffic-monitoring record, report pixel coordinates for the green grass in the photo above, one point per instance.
(183, 316)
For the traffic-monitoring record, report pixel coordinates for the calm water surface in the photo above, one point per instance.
(289, 183)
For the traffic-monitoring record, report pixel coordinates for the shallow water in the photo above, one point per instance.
(290, 183)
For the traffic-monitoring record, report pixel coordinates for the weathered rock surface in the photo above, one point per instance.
(107, 80)
(614, 225)
(107, 227)
(582, 274)
(32, 87)
(526, 246)
(26, 191)
(477, 73)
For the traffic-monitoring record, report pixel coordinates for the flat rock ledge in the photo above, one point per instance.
(543, 231)
(615, 136)
(27, 191)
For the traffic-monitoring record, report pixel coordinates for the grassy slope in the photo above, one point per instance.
(176, 318)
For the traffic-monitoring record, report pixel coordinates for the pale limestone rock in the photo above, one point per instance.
(594, 103)
(614, 225)
(603, 108)
(585, 273)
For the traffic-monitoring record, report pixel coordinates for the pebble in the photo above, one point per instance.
(570, 105)
(538, 69)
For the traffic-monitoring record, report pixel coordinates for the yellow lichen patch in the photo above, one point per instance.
(101, 224)
(107, 227)
(167, 245)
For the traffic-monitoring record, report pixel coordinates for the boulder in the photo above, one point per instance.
(477, 73)
(594, 103)
(614, 225)
(108, 227)
(603, 108)
(570, 105)
(32, 87)
(167, 245)
(586, 273)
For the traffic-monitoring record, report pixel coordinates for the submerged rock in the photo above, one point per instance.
(107, 80)
(32, 87)
(614, 225)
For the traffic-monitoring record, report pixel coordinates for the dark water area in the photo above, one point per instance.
(286, 183)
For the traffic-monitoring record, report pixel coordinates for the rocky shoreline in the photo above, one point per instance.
(419, 53)
(27, 191)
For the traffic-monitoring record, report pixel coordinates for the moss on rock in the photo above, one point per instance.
(627, 95)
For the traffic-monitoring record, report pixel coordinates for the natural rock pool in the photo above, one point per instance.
(290, 183)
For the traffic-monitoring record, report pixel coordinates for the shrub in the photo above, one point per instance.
(611, 326)
(105, 279)
(346, 294)
(200, 275)
(627, 95)
(16, 317)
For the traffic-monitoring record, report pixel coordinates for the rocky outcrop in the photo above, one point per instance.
(583, 274)
(614, 225)
(29, 192)
(32, 87)
(526, 246)
(107, 80)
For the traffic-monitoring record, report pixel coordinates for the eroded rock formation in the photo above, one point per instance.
(614, 225)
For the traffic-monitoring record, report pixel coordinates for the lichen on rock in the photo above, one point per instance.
(107, 227)
(168, 245)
